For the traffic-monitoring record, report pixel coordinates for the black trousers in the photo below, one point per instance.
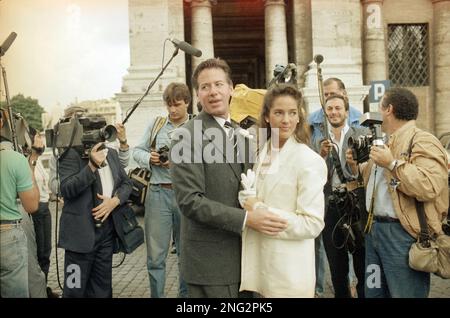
(89, 275)
(42, 221)
(217, 291)
(338, 258)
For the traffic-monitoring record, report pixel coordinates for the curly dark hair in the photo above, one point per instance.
(404, 103)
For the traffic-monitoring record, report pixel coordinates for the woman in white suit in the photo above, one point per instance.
(289, 183)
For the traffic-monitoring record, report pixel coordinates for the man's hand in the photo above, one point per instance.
(266, 222)
(121, 132)
(249, 203)
(98, 156)
(325, 147)
(102, 211)
(165, 164)
(381, 155)
(154, 158)
(351, 162)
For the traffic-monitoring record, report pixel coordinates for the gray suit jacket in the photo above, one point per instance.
(212, 220)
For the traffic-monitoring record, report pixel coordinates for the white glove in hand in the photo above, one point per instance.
(248, 182)
(245, 194)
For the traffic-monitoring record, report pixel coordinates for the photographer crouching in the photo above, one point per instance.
(93, 184)
(410, 170)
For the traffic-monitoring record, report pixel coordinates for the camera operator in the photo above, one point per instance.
(161, 210)
(91, 188)
(337, 112)
(123, 149)
(17, 179)
(395, 176)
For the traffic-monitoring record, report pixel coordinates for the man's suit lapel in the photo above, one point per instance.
(209, 122)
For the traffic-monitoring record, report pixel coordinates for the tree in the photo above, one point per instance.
(29, 108)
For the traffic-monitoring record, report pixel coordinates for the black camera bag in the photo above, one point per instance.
(130, 234)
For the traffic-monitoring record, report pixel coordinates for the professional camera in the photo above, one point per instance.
(163, 154)
(80, 133)
(361, 145)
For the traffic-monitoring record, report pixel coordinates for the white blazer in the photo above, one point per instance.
(284, 265)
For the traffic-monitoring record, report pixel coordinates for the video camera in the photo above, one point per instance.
(80, 133)
(361, 145)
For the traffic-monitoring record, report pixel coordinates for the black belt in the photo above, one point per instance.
(10, 221)
(385, 219)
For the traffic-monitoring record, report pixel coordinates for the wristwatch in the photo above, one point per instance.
(392, 165)
(33, 163)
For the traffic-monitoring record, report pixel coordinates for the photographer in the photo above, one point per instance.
(17, 179)
(412, 166)
(91, 188)
(161, 210)
(336, 86)
(334, 238)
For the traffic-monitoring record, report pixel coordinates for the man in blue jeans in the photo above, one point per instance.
(411, 166)
(16, 179)
(161, 210)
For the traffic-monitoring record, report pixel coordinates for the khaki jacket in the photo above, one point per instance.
(422, 176)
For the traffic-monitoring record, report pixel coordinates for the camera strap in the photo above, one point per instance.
(337, 165)
(159, 123)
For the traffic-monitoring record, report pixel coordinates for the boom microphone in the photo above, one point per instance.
(186, 47)
(318, 58)
(9, 40)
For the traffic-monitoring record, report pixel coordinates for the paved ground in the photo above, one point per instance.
(131, 280)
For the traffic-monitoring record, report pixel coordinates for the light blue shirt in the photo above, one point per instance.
(141, 153)
(383, 205)
(315, 120)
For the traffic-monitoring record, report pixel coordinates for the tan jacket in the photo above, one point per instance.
(423, 176)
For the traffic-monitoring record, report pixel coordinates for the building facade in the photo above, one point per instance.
(404, 41)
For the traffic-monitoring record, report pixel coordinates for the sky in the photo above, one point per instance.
(65, 50)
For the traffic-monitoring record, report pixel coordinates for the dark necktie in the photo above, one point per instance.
(230, 131)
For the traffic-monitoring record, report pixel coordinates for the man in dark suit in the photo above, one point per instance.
(206, 183)
(91, 189)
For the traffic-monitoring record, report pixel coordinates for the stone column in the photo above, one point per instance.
(150, 23)
(302, 37)
(336, 34)
(202, 29)
(275, 35)
(374, 65)
(441, 46)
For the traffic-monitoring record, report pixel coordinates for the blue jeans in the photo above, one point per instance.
(388, 274)
(161, 216)
(14, 263)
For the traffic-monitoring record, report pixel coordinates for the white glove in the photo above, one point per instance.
(248, 180)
